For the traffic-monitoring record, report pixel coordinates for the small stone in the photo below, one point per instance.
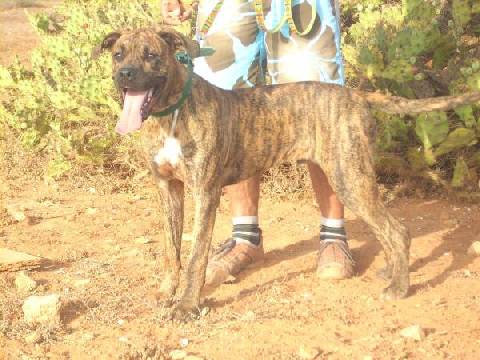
(33, 338)
(249, 316)
(474, 249)
(142, 240)
(192, 357)
(205, 311)
(42, 309)
(368, 357)
(81, 282)
(17, 215)
(25, 283)
(414, 332)
(231, 280)
(123, 339)
(467, 273)
(121, 322)
(305, 353)
(183, 342)
(88, 336)
(11, 260)
(90, 211)
(187, 236)
(177, 354)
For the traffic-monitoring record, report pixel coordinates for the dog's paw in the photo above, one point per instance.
(184, 312)
(394, 292)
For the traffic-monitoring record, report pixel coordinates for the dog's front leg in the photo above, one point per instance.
(206, 203)
(171, 200)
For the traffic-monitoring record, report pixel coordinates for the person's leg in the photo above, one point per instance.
(236, 39)
(335, 260)
(244, 197)
(316, 57)
(330, 206)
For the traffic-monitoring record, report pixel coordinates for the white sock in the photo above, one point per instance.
(245, 230)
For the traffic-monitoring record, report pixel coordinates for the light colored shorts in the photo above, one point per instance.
(245, 55)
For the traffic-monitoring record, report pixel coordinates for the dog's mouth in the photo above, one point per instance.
(136, 108)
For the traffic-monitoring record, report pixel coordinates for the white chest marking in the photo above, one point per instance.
(170, 153)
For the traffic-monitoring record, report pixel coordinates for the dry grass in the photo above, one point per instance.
(289, 179)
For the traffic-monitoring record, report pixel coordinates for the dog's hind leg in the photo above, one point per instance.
(206, 203)
(361, 196)
(348, 164)
(171, 195)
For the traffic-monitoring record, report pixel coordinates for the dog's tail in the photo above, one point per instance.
(400, 105)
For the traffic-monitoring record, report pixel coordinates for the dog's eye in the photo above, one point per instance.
(117, 55)
(151, 56)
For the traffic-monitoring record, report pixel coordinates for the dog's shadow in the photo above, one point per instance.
(449, 245)
(364, 256)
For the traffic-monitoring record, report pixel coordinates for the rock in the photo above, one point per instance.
(177, 354)
(81, 282)
(414, 332)
(25, 283)
(184, 342)
(205, 311)
(42, 309)
(90, 211)
(142, 240)
(11, 260)
(187, 237)
(249, 316)
(474, 249)
(88, 336)
(230, 280)
(306, 353)
(33, 338)
(17, 215)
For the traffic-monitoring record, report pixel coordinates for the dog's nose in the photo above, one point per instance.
(127, 72)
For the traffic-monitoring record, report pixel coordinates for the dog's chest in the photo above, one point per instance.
(170, 153)
(167, 158)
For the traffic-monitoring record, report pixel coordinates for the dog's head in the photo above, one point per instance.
(145, 70)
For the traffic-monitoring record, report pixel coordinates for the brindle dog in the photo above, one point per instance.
(222, 137)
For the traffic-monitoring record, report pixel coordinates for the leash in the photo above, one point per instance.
(260, 17)
(211, 18)
(185, 59)
(174, 123)
(291, 22)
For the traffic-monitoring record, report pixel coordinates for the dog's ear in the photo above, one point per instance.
(178, 41)
(107, 43)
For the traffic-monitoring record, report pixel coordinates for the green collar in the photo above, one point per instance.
(184, 58)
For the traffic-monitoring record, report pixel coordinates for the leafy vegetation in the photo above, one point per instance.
(418, 48)
(64, 106)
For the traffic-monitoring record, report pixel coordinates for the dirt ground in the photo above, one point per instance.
(103, 249)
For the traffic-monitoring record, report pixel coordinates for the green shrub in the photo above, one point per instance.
(420, 48)
(64, 105)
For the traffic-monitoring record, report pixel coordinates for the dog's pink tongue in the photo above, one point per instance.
(131, 117)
